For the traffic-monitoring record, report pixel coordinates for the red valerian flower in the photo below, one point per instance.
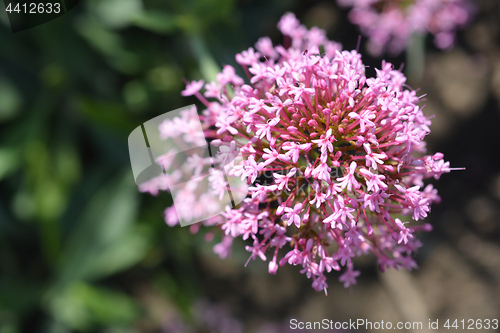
(389, 24)
(331, 156)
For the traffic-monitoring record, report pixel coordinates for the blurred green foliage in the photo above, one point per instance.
(76, 236)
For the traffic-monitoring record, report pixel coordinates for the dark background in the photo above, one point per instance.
(81, 250)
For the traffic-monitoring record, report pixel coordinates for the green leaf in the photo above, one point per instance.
(81, 305)
(97, 246)
(10, 100)
(118, 13)
(155, 21)
(9, 161)
(19, 294)
(136, 95)
(109, 43)
(208, 65)
(106, 114)
(124, 253)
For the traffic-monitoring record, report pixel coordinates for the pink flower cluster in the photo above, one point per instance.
(334, 160)
(389, 24)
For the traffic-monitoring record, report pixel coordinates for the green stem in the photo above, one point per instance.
(206, 62)
(415, 58)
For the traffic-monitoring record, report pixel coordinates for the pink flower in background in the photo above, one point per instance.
(328, 153)
(389, 24)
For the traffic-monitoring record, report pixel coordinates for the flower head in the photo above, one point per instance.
(389, 24)
(328, 153)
